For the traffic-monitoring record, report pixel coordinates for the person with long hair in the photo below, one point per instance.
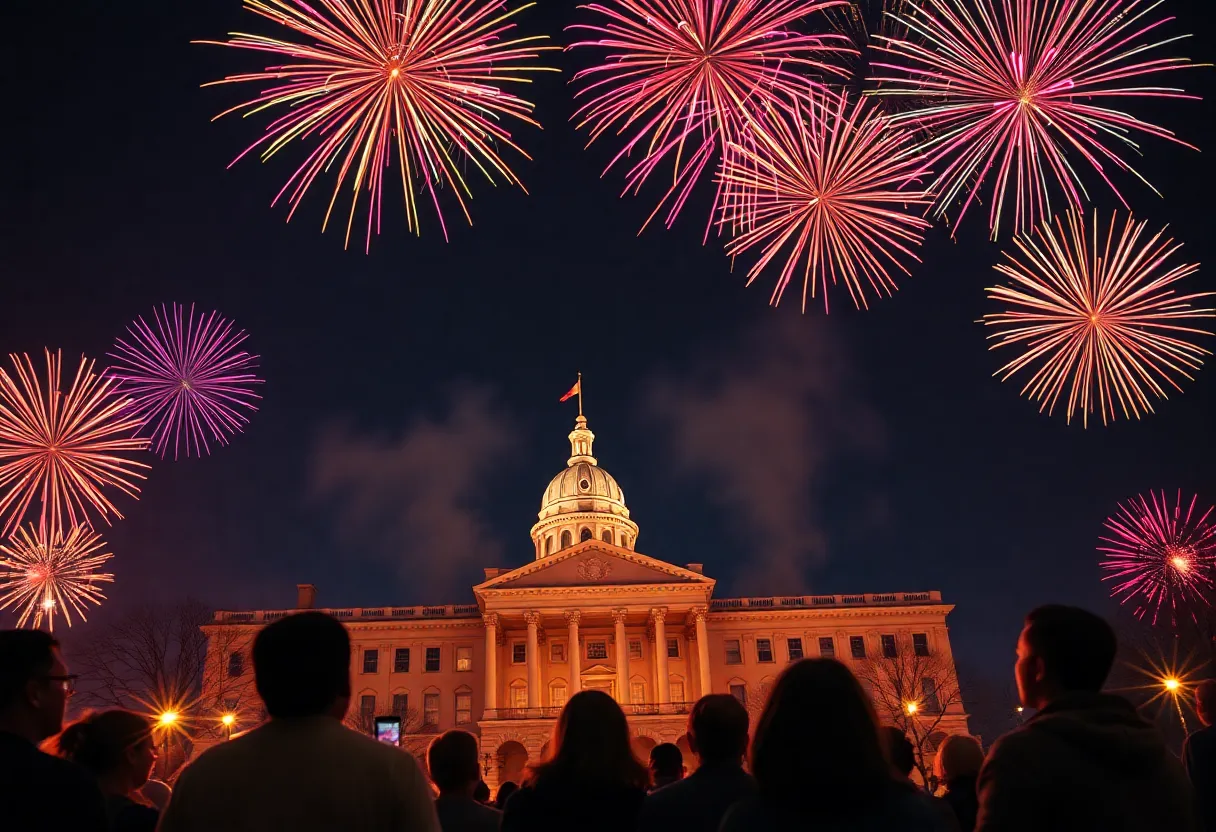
(591, 782)
(819, 762)
(958, 763)
(117, 747)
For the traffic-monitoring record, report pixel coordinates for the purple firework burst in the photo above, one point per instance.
(186, 378)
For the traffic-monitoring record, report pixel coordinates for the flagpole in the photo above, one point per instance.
(580, 395)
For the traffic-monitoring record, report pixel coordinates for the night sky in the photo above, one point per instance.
(411, 423)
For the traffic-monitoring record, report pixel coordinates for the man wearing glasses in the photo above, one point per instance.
(38, 791)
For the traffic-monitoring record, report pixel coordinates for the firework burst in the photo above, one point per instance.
(43, 576)
(422, 78)
(1162, 558)
(1006, 96)
(682, 78)
(1097, 313)
(66, 448)
(833, 189)
(186, 379)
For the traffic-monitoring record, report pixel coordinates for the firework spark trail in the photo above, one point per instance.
(66, 449)
(683, 78)
(186, 379)
(1005, 97)
(833, 182)
(1159, 556)
(1097, 313)
(423, 76)
(42, 579)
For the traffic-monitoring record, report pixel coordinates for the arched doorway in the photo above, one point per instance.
(690, 759)
(642, 747)
(512, 759)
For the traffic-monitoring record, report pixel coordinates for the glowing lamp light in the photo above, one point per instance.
(167, 718)
(1171, 684)
(1020, 709)
(228, 719)
(911, 707)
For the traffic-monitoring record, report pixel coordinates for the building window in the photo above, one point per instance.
(827, 647)
(430, 709)
(519, 652)
(567, 539)
(557, 696)
(367, 709)
(677, 691)
(793, 646)
(764, 650)
(432, 660)
(401, 660)
(606, 536)
(371, 661)
(637, 692)
(857, 646)
(928, 696)
(739, 692)
(625, 541)
(401, 705)
(585, 535)
(519, 694)
(549, 545)
(635, 650)
(236, 664)
(889, 649)
(557, 652)
(464, 708)
(673, 648)
(597, 649)
(920, 644)
(733, 654)
(464, 659)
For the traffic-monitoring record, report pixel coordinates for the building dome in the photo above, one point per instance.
(583, 502)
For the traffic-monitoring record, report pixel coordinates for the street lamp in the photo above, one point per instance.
(228, 720)
(167, 719)
(1171, 684)
(911, 708)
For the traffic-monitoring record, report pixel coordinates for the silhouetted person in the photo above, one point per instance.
(591, 781)
(482, 792)
(504, 793)
(666, 765)
(452, 759)
(117, 747)
(1199, 754)
(819, 762)
(303, 769)
(38, 791)
(958, 763)
(717, 734)
(1086, 762)
(900, 751)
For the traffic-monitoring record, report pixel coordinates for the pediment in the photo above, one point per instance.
(595, 563)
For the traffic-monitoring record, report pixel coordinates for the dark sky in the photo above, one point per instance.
(411, 422)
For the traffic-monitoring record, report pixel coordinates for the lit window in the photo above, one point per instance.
(236, 664)
(625, 541)
(430, 709)
(557, 696)
(464, 708)
(371, 661)
(827, 647)
(857, 646)
(401, 660)
(432, 660)
(889, 650)
(607, 536)
(920, 644)
(401, 705)
(637, 692)
(739, 692)
(733, 654)
(597, 649)
(557, 652)
(464, 658)
(519, 694)
(793, 647)
(677, 691)
(673, 648)
(367, 706)
(519, 652)
(635, 650)
(764, 650)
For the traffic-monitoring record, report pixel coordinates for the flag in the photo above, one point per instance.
(574, 391)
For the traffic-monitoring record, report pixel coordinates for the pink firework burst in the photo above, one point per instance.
(365, 80)
(187, 379)
(66, 448)
(1006, 96)
(682, 78)
(1162, 559)
(833, 189)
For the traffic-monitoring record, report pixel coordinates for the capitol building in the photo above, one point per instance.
(590, 611)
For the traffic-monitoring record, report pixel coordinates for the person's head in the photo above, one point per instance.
(958, 756)
(717, 729)
(666, 763)
(301, 666)
(816, 742)
(1205, 701)
(116, 746)
(481, 792)
(591, 742)
(34, 684)
(452, 760)
(1062, 650)
(504, 793)
(156, 792)
(900, 750)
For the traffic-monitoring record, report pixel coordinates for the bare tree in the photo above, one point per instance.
(755, 697)
(914, 691)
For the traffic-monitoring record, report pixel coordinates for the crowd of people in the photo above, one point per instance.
(817, 758)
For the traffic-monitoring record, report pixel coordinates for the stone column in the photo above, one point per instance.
(703, 650)
(622, 658)
(491, 622)
(573, 654)
(660, 646)
(533, 619)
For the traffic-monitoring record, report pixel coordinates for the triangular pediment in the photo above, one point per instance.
(595, 563)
